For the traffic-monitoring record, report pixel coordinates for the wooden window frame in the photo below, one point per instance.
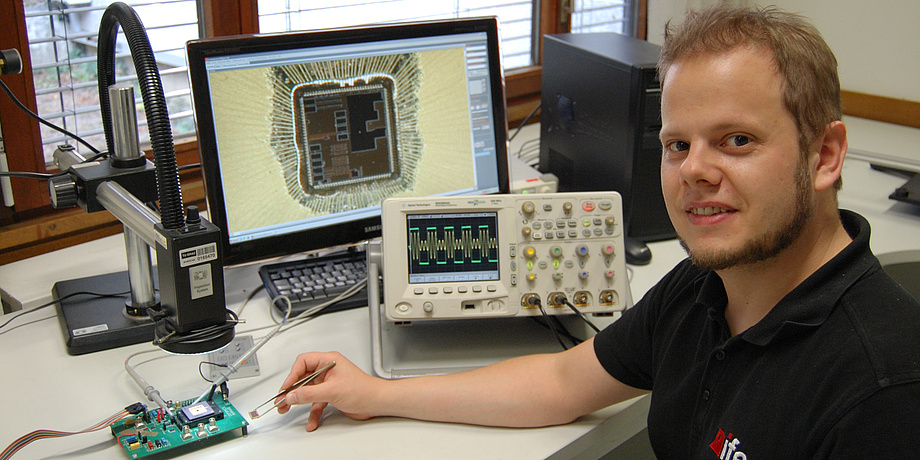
(33, 227)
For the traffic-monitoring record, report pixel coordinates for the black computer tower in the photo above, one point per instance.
(600, 120)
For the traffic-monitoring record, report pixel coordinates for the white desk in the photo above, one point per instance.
(42, 387)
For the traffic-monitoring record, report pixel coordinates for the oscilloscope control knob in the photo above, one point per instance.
(528, 207)
(607, 249)
(526, 231)
(530, 252)
(555, 251)
(581, 250)
(567, 207)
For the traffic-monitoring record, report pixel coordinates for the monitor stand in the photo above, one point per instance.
(93, 323)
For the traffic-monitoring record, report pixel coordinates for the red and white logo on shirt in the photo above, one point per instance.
(727, 448)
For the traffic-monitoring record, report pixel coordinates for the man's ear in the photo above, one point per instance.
(830, 155)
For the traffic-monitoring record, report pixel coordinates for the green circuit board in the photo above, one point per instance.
(191, 426)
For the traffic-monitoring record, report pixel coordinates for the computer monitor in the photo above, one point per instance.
(303, 134)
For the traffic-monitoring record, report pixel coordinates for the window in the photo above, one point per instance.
(516, 16)
(59, 79)
(62, 45)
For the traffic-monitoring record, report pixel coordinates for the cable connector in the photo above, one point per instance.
(559, 299)
(136, 408)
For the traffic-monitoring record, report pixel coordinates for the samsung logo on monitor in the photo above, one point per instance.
(372, 228)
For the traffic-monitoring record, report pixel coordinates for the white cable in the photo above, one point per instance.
(151, 393)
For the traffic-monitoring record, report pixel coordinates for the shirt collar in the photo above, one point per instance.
(811, 302)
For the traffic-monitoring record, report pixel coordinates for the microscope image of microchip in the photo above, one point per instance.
(345, 131)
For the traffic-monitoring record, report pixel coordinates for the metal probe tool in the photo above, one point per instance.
(254, 414)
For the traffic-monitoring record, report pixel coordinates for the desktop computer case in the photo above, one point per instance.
(601, 116)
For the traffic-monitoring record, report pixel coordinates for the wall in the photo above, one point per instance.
(877, 43)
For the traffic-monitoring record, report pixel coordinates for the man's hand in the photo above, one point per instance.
(345, 386)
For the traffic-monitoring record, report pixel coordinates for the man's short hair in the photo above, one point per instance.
(811, 87)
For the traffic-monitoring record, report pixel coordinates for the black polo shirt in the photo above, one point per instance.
(832, 371)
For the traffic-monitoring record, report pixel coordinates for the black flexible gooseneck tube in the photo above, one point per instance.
(168, 190)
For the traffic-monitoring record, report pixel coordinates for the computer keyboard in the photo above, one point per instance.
(313, 281)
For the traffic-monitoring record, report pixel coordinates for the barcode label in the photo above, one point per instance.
(198, 254)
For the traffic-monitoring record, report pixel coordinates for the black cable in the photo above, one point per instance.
(536, 301)
(190, 167)
(564, 331)
(41, 120)
(581, 315)
(199, 335)
(211, 394)
(213, 364)
(526, 119)
(31, 175)
(46, 305)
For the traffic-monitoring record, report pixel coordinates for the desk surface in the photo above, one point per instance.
(43, 387)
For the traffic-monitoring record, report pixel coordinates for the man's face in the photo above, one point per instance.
(736, 187)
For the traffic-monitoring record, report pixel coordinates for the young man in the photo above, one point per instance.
(779, 337)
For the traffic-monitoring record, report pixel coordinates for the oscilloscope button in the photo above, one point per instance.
(537, 225)
(491, 288)
(463, 289)
(448, 290)
(477, 288)
(605, 205)
(588, 206)
(419, 291)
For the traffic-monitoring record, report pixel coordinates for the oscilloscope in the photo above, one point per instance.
(503, 255)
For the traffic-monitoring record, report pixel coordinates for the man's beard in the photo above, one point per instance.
(770, 244)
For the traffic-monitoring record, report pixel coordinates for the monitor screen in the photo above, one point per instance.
(303, 134)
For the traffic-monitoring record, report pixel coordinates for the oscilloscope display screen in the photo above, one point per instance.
(452, 247)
